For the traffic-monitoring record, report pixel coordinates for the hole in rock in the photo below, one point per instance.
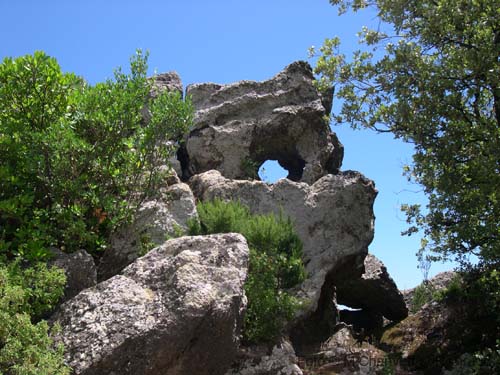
(344, 307)
(271, 171)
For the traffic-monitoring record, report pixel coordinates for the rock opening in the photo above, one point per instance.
(271, 171)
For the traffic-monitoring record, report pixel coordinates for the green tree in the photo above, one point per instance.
(76, 158)
(436, 85)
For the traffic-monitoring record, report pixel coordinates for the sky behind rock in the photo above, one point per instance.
(223, 41)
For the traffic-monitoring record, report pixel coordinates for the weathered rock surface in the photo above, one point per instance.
(156, 220)
(438, 282)
(176, 310)
(375, 292)
(80, 270)
(241, 125)
(343, 354)
(169, 81)
(164, 82)
(259, 360)
(333, 217)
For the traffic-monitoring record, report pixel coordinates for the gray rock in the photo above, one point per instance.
(156, 220)
(333, 217)
(375, 291)
(344, 354)
(170, 82)
(241, 125)
(79, 268)
(176, 310)
(438, 282)
(259, 360)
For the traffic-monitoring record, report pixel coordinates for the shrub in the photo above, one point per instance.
(473, 300)
(484, 362)
(25, 294)
(76, 158)
(275, 263)
(421, 295)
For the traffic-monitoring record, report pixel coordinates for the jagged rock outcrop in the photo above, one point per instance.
(261, 360)
(169, 81)
(333, 217)
(176, 310)
(375, 292)
(241, 125)
(438, 282)
(156, 219)
(79, 268)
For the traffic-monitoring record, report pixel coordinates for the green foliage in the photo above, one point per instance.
(421, 295)
(146, 244)
(275, 263)
(484, 362)
(433, 80)
(388, 366)
(25, 294)
(474, 298)
(250, 167)
(77, 159)
(478, 287)
(452, 291)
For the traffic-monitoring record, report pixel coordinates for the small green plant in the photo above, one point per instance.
(146, 244)
(452, 292)
(26, 293)
(275, 263)
(388, 365)
(424, 293)
(250, 168)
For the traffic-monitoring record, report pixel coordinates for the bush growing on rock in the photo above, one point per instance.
(423, 294)
(76, 158)
(26, 294)
(275, 263)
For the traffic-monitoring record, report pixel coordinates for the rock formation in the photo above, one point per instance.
(344, 354)
(179, 308)
(79, 268)
(162, 313)
(438, 282)
(156, 220)
(375, 292)
(333, 217)
(262, 360)
(167, 82)
(240, 126)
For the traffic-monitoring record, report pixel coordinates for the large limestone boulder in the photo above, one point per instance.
(176, 310)
(241, 125)
(333, 218)
(375, 292)
(156, 220)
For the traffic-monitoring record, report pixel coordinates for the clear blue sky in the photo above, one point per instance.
(221, 41)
